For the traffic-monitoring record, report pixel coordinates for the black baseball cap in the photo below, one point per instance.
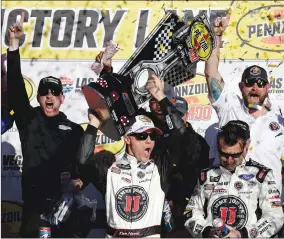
(50, 82)
(256, 72)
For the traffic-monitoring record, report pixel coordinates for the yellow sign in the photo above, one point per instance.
(11, 218)
(103, 143)
(78, 30)
(30, 88)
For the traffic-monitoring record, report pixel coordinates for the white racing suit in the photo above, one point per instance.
(235, 197)
(134, 199)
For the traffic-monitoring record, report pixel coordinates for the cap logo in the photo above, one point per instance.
(144, 118)
(255, 71)
(50, 80)
(174, 100)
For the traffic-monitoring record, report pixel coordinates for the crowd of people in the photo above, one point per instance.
(165, 185)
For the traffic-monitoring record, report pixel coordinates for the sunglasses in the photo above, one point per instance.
(260, 82)
(144, 136)
(226, 155)
(44, 92)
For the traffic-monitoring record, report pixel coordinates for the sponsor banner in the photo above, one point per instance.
(78, 30)
(11, 217)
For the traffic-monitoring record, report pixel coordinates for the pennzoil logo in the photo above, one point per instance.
(201, 40)
(263, 28)
(30, 88)
(11, 218)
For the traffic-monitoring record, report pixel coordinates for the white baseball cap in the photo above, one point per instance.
(142, 124)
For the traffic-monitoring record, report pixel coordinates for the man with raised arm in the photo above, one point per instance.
(49, 140)
(267, 132)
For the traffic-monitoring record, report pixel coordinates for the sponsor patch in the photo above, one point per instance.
(274, 197)
(253, 233)
(64, 127)
(124, 166)
(127, 180)
(215, 179)
(140, 174)
(274, 190)
(238, 185)
(271, 182)
(131, 203)
(209, 186)
(274, 126)
(231, 209)
(251, 183)
(115, 170)
(276, 204)
(246, 176)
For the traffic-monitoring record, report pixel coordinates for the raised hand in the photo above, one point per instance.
(220, 25)
(16, 30)
(155, 86)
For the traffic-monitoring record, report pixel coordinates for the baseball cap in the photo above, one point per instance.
(255, 72)
(51, 83)
(142, 124)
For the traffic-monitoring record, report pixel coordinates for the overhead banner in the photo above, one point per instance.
(78, 30)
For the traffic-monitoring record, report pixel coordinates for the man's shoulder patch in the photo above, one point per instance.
(262, 170)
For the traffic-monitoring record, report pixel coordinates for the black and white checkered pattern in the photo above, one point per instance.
(163, 39)
(177, 75)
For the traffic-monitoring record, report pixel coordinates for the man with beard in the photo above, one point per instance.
(49, 141)
(266, 126)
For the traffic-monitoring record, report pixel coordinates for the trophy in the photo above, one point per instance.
(171, 51)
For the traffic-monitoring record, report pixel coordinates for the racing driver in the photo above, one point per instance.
(135, 186)
(235, 191)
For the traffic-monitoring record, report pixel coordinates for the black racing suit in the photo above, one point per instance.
(49, 147)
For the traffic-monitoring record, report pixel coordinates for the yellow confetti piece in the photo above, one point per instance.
(272, 65)
(118, 6)
(282, 158)
(265, 55)
(12, 112)
(104, 11)
(233, 24)
(242, 31)
(162, 48)
(170, 34)
(271, 78)
(148, 3)
(250, 148)
(187, 199)
(174, 165)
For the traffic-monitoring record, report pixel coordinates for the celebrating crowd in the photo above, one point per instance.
(164, 185)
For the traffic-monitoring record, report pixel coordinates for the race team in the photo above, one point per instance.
(165, 185)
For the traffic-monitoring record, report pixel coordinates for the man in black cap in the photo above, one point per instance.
(194, 157)
(49, 140)
(254, 108)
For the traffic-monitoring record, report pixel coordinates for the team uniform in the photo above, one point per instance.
(266, 131)
(234, 197)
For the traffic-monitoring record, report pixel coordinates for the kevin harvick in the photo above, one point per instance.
(135, 186)
(243, 194)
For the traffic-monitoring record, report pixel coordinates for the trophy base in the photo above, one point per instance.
(97, 102)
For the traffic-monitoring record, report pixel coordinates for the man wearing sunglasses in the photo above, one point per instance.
(49, 141)
(235, 191)
(254, 107)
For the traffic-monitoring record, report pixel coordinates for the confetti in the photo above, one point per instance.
(265, 55)
(257, 55)
(162, 48)
(272, 65)
(241, 59)
(280, 63)
(170, 34)
(271, 78)
(233, 24)
(243, 43)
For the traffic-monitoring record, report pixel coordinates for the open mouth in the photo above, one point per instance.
(254, 96)
(147, 152)
(49, 106)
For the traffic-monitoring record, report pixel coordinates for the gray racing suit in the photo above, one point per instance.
(235, 197)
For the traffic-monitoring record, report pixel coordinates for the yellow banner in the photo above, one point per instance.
(78, 30)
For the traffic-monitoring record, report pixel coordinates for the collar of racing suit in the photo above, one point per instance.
(130, 161)
(226, 171)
